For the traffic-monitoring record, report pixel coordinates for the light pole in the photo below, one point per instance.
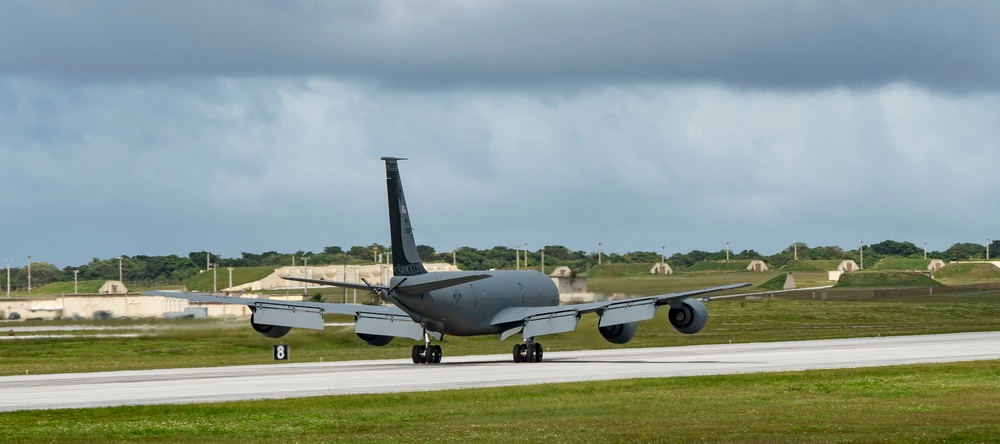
(925, 250)
(230, 278)
(8, 278)
(987, 248)
(120, 270)
(861, 248)
(543, 260)
(525, 255)
(727, 250)
(599, 253)
(305, 273)
(795, 248)
(215, 280)
(76, 278)
(29, 274)
(663, 248)
(517, 256)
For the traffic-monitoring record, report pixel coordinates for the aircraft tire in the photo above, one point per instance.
(418, 354)
(517, 353)
(436, 354)
(538, 352)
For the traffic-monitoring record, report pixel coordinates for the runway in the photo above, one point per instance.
(78, 390)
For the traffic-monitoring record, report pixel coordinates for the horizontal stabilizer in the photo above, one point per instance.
(336, 283)
(424, 287)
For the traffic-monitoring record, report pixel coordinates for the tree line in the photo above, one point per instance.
(174, 269)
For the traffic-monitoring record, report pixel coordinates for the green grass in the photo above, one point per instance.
(775, 283)
(953, 274)
(241, 275)
(812, 265)
(716, 266)
(914, 403)
(902, 264)
(885, 279)
(61, 288)
(619, 270)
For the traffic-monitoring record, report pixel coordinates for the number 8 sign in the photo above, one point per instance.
(281, 352)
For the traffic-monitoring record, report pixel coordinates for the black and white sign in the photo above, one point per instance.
(281, 352)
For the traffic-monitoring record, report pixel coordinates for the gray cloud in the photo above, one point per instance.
(773, 44)
(159, 128)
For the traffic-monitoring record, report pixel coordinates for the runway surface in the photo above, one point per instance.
(32, 392)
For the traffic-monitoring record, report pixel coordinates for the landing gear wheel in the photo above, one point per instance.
(435, 354)
(419, 354)
(530, 351)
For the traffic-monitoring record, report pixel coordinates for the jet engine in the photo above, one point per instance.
(269, 331)
(376, 340)
(619, 333)
(689, 316)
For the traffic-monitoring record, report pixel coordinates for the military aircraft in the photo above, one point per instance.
(427, 306)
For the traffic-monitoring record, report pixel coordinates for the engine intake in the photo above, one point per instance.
(269, 331)
(619, 333)
(689, 317)
(376, 340)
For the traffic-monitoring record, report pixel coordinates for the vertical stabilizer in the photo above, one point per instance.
(405, 260)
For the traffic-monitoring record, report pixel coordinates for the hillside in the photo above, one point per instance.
(968, 273)
(812, 265)
(888, 279)
(716, 266)
(241, 275)
(900, 263)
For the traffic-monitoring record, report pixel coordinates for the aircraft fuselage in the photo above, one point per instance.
(468, 309)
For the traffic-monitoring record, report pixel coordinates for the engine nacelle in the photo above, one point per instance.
(376, 340)
(690, 317)
(269, 331)
(619, 333)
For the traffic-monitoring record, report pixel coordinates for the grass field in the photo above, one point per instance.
(922, 403)
(915, 403)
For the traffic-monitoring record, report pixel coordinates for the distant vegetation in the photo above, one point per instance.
(150, 271)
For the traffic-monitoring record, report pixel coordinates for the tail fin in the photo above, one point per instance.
(405, 260)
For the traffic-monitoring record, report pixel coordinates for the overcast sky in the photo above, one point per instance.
(154, 128)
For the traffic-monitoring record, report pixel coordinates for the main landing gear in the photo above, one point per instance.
(530, 351)
(427, 353)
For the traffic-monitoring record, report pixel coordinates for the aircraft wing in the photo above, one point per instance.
(369, 319)
(536, 321)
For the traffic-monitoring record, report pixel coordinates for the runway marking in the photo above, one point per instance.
(274, 381)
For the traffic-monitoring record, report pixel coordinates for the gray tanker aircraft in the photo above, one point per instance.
(428, 306)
